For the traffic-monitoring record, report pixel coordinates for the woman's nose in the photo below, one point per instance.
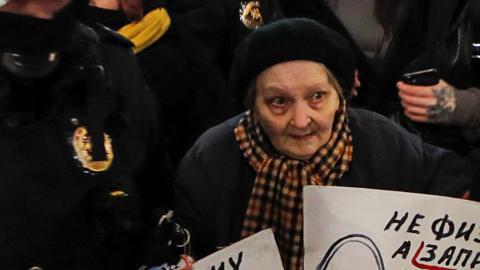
(300, 118)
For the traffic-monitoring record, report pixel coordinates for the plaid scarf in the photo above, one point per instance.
(277, 197)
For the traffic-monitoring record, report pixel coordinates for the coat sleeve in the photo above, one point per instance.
(190, 189)
(467, 113)
(446, 173)
(395, 159)
(442, 172)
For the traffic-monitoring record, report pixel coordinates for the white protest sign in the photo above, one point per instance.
(353, 228)
(258, 251)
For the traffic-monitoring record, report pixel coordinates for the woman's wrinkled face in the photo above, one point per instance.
(295, 105)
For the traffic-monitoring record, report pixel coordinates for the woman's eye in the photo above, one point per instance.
(317, 96)
(278, 101)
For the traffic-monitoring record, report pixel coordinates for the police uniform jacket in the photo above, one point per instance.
(190, 89)
(61, 206)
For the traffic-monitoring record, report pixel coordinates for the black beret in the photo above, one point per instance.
(287, 40)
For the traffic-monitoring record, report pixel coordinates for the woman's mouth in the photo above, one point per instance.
(302, 137)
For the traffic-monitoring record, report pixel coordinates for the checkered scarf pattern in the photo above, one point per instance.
(277, 197)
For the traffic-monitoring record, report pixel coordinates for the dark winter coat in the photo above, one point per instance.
(56, 213)
(189, 87)
(214, 181)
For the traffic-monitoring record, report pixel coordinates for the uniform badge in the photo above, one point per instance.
(250, 14)
(82, 144)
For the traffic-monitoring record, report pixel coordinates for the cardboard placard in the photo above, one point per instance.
(258, 251)
(354, 228)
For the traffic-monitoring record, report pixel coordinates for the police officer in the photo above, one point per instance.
(77, 130)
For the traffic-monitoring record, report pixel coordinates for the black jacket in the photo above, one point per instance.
(56, 213)
(188, 85)
(214, 181)
(218, 26)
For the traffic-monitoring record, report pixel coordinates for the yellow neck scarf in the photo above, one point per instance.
(145, 32)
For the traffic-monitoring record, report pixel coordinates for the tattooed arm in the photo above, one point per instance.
(430, 104)
(441, 104)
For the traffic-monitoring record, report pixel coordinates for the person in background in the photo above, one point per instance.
(173, 64)
(409, 36)
(221, 25)
(247, 174)
(77, 130)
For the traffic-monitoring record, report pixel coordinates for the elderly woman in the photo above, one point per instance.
(247, 173)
